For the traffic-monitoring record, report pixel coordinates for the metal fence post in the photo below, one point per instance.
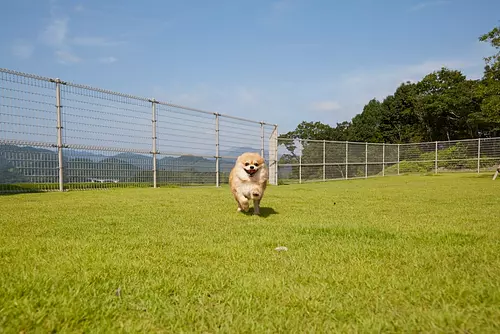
(383, 159)
(59, 134)
(398, 157)
(346, 159)
(436, 159)
(300, 161)
(262, 139)
(155, 151)
(478, 155)
(276, 170)
(217, 153)
(366, 160)
(324, 160)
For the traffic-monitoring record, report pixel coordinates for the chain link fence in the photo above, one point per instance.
(302, 160)
(57, 135)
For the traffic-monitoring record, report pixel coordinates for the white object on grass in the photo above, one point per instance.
(281, 248)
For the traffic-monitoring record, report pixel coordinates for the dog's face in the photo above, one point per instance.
(250, 162)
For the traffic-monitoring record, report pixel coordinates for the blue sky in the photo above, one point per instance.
(283, 61)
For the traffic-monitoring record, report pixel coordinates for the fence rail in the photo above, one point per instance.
(57, 135)
(301, 160)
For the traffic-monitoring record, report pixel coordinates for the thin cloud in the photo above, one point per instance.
(66, 57)
(427, 4)
(55, 33)
(325, 106)
(22, 49)
(108, 60)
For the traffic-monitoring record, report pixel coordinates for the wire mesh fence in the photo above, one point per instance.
(56, 135)
(302, 160)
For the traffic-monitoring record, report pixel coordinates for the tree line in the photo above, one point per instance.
(443, 105)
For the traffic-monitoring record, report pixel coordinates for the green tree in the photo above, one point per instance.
(444, 104)
(400, 123)
(366, 126)
(488, 89)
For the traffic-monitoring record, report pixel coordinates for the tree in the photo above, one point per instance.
(400, 123)
(366, 126)
(488, 89)
(444, 103)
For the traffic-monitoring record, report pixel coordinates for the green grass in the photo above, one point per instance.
(394, 254)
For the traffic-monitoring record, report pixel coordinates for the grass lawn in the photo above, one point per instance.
(394, 254)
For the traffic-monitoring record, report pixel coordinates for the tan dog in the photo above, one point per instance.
(248, 181)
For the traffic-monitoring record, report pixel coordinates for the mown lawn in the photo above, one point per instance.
(394, 254)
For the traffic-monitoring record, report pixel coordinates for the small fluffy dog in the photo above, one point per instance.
(248, 181)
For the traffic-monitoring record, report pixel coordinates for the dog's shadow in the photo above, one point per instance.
(264, 212)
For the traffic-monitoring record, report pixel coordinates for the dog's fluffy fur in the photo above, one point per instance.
(248, 181)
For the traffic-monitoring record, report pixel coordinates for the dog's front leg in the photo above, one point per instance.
(243, 203)
(256, 206)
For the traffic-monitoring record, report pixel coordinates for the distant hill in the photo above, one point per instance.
(29, 164)
(20, 164)
(237, 151)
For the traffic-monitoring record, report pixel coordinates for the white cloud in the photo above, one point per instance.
(427, 4)
(107, 60)
(22, 49)
(55, 33)
(325, 106)
(66, 57)
(66, 46)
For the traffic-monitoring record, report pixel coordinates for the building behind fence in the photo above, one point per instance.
(322, 160)
(57, 135)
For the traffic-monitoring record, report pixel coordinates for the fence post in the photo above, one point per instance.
(478, 155)
(436, 159)
(300, 161)
(217, 153)
(346, 159)
(366, 160)
(155, 151)
(383, 159)
(276, 170)
(398, 158)
(262, 139)
(324, 160)
(59, 134)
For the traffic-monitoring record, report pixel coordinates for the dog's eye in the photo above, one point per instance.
(256, 164)
(246, 164)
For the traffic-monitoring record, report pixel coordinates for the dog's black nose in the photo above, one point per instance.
(256, 194)
(252, 167)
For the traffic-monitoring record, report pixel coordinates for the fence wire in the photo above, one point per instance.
(27, 109)
(314, 160)
(58, 135)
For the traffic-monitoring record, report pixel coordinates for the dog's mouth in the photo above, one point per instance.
(250, 172)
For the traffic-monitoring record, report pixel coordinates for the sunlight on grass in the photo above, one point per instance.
(396, 254)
